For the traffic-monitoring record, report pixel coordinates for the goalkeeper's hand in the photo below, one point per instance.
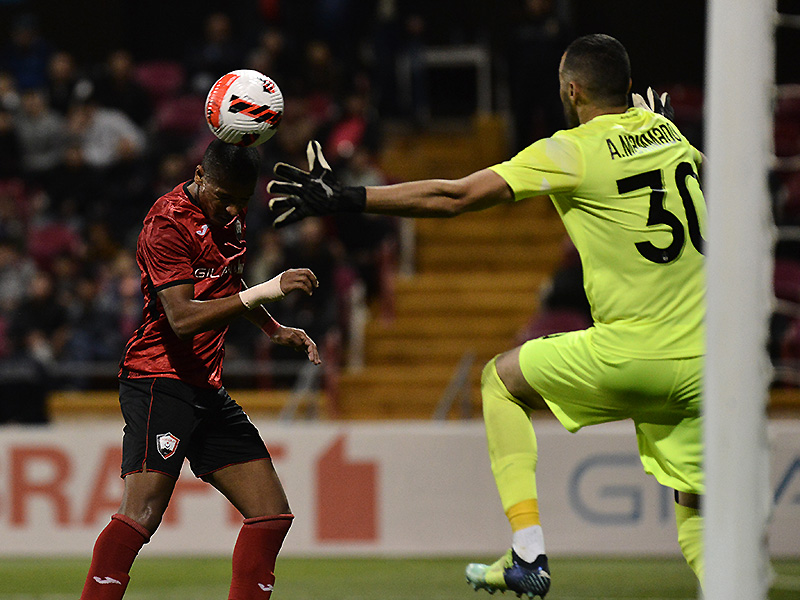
(314, 192)
(659, 105)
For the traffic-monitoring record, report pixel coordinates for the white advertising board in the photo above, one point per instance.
(370, 489)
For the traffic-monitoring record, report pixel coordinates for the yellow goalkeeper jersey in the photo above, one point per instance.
(627, 189)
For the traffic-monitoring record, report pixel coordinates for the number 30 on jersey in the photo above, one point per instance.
(658, 215)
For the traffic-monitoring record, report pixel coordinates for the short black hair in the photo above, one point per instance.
(223, 161)
(600, 62)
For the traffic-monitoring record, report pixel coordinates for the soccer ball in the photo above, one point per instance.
(244, 108)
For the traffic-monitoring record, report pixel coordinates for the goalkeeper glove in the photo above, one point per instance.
(315, 192)
(654, 103)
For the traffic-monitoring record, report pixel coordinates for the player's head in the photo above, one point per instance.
(595, 70)
(225, 179)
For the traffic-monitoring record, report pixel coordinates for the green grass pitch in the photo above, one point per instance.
(367, 579)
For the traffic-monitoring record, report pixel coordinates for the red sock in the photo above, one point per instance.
(254, 557)
(114, 551)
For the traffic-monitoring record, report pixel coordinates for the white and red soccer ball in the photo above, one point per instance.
(244, 108)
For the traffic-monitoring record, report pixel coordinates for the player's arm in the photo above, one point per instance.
(439, 197)
(188, 316)
(318, 192)
(282, 335)
(701, 166)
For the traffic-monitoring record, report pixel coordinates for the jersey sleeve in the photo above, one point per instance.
(549, 166)
(166, 253)
(697, 156)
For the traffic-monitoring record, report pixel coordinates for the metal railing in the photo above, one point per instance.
(457, 390)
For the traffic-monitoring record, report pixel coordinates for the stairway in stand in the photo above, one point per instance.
(476, 284)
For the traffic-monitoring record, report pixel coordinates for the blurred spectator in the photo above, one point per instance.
(106, 135)
(412, 80)
(16, 273)
(299, 124)
(117, 87)
(361, 168)
(36, 334)
(272, 57)
(10, 146)
(362, 236)
(49, 235)
(94, 333)
(62, 81)
(24, 385)
(14, 209)
(268, 256)
(26, 55)
(173, 167)
(76, 184)
(65, 269)
(316, 314)
(324, 79)
(535, 45)
(42, 134)
(39, 324)
(357, 127)
(9, 94)
(121, 292)
(101, 246)
(216, 54)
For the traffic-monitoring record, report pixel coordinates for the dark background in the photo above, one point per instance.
(665, 40)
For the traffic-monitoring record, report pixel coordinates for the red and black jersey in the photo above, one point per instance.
(178, 244)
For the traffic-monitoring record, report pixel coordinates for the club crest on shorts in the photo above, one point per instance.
(166, 443)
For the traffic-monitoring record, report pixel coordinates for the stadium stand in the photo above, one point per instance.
(68, 227)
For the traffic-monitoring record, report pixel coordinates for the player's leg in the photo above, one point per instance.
(689, 521)
(671, 449)
(513, 454)
(255, 490)
(144, 501)
(673, 455)
(563, 371)
(234, 459)
(152, 455)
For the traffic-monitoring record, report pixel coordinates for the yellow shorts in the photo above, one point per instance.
(662, 397)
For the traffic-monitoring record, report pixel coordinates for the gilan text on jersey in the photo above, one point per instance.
(213, 273)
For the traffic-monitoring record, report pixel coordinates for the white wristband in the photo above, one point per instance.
(269, 291)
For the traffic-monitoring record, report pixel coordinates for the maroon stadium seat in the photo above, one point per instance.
(161, 78)
(786, 279)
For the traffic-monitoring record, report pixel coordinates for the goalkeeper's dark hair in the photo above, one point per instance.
(601, 64)
(222, 161)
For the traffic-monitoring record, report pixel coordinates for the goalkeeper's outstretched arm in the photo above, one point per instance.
(439, 197)
(318, 192)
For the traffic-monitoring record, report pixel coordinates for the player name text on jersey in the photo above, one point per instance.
(630, 145)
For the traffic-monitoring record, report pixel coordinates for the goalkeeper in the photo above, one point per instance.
(626, 185)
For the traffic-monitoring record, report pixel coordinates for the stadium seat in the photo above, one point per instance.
(790, 344)
(182, 115)
(556, 320)
(51, 239)
(787, 105)
(787, 137)
(788, 207)
(786, 279)
(687, 100)
(161, 78)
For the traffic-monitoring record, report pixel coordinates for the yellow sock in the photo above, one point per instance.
(511, 441)
(524, 514)
(690, 537)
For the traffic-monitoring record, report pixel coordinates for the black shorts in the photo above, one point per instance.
(167, 420)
